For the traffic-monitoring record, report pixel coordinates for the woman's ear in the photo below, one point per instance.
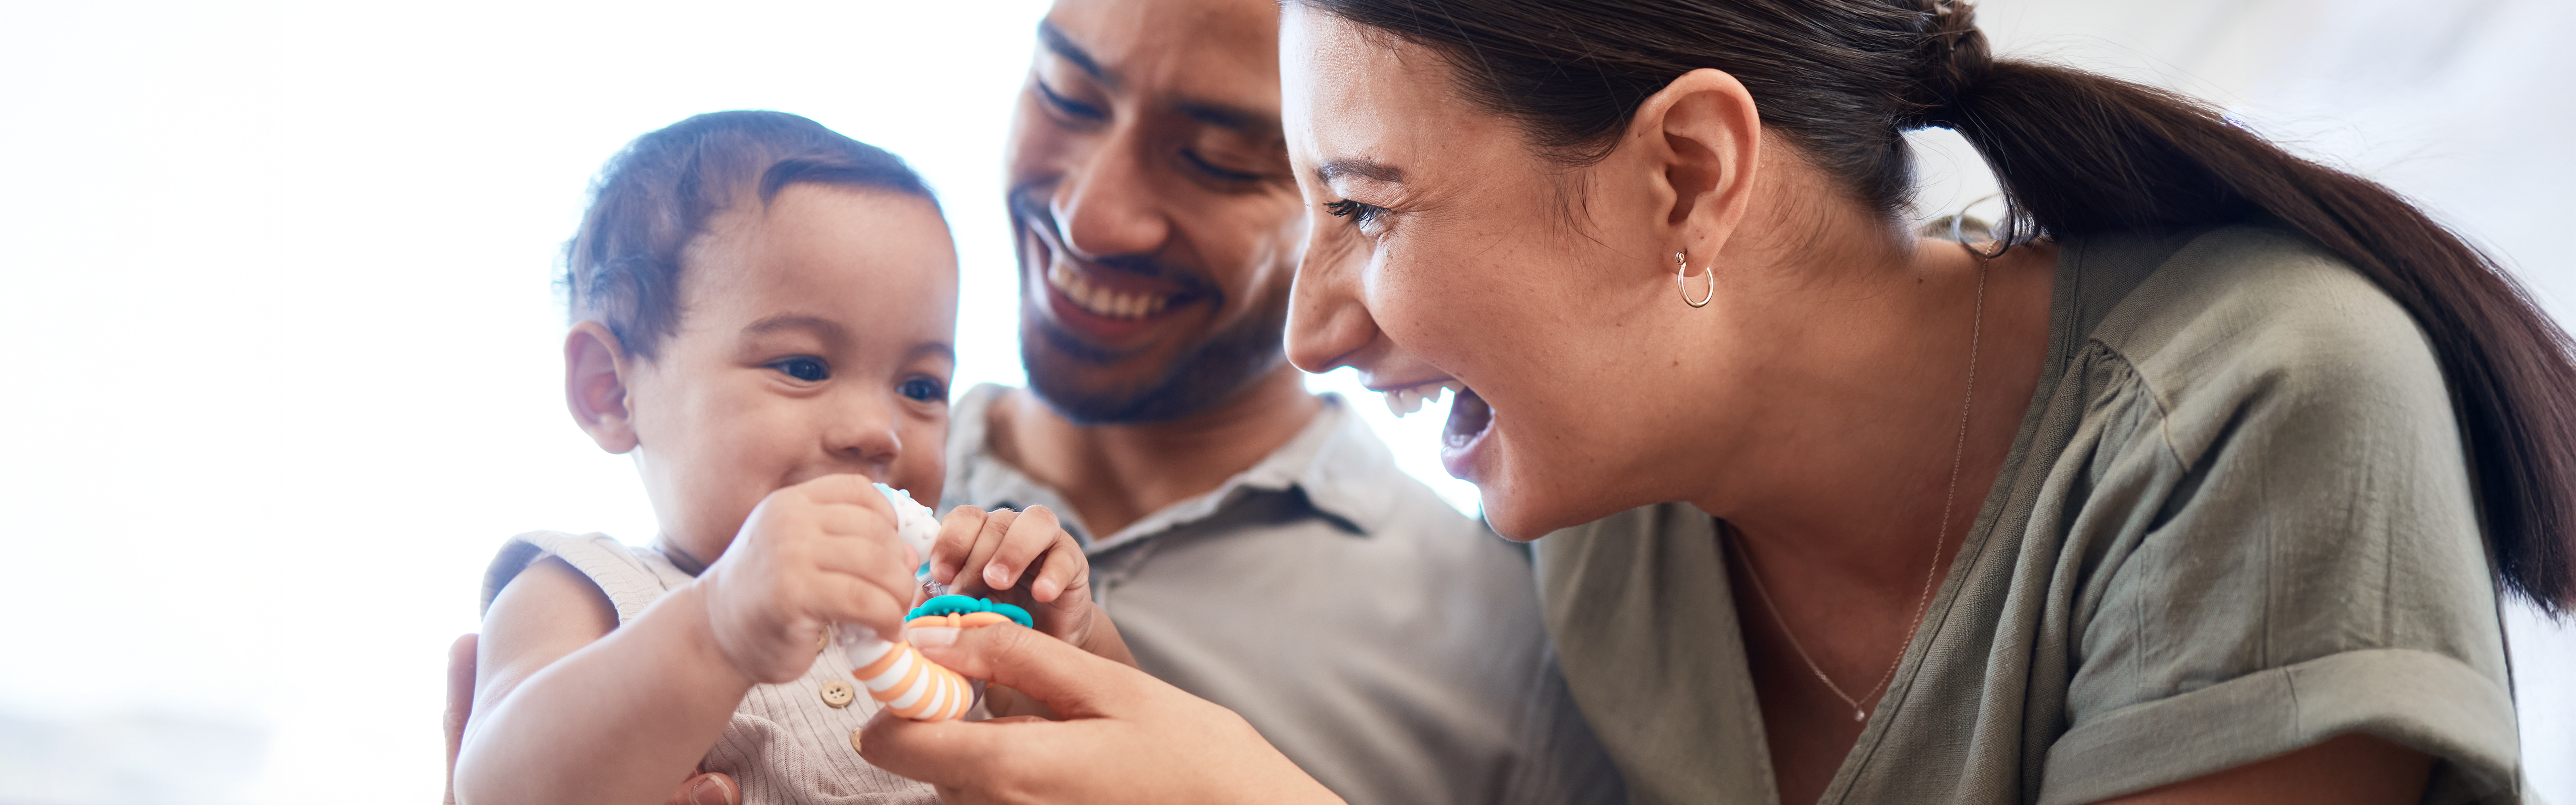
(595, 386)
(1705, 136)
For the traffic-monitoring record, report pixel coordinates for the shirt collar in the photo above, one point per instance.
(1336, 464)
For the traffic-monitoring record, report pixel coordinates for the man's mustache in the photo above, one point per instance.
(1032, 214)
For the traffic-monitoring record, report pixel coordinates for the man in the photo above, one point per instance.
(1255, 543)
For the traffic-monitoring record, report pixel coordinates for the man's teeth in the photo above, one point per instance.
(1410, 399)
(1103, 301)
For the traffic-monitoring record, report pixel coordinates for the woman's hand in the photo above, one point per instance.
(810, 555)
(1125, 737)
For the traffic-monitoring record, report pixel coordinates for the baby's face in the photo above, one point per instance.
(814, 340)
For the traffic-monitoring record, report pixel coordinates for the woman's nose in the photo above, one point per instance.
(1107, 204)
(1328, 322)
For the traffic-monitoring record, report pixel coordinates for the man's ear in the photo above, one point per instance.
(1703, 132)
(595, 386)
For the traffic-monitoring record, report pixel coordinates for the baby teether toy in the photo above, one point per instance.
(895, 673)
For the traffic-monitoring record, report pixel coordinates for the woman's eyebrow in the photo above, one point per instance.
(1361, 168)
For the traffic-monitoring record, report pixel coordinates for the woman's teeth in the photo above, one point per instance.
(1102, 301)
(1411, 398)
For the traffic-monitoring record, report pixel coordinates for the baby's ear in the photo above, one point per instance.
(595, 386)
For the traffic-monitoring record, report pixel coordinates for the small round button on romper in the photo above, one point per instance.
(838, 693)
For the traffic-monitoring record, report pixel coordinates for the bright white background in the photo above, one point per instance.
(281, 350)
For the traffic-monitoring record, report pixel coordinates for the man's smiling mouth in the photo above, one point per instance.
(1100, 300)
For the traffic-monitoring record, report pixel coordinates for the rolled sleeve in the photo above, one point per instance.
(2314, 569)
(2429, 702)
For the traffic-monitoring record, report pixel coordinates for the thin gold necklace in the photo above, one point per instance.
(1958, 450)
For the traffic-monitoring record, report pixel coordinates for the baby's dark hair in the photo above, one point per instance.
(654, 197)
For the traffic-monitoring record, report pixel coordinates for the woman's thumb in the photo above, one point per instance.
(1069, 680)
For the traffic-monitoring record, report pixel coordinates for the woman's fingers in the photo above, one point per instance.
(708, 788)
(1125, 737)
(1073, 682)
(460, 703)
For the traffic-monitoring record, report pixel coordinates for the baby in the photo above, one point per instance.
(762, 312)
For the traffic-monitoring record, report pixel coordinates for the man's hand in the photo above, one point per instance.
(707, 788)
(811, 555)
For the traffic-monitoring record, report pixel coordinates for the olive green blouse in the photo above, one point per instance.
(2236, 522)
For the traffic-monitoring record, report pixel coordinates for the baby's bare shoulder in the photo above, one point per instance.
(547, 611)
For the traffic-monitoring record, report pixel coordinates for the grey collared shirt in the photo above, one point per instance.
(1389, 645)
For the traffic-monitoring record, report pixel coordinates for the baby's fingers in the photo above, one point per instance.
(867, 602)
(1027, 537)
(1066, 570)
(974, 575)
(957, 533)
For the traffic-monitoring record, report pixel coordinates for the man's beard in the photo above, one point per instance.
(1195, 382)
(1198, 380)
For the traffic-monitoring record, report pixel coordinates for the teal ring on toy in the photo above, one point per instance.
(960, 605)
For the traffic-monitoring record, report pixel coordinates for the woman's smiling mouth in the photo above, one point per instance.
(1469, 419)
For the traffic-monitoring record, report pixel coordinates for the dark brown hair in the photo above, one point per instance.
(2077, 154)
(656, 195)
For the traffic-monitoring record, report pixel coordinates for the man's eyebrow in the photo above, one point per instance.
(1064, 48)
(1361, 168)
(828, 329)
(1228, 117)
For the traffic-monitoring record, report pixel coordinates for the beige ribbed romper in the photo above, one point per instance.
(785, 744)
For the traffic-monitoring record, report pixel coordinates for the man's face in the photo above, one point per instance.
(1158, 225)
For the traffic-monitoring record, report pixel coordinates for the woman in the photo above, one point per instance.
(2198, 485)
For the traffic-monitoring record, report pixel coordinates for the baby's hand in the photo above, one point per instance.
(1023, 558)
(810, 555)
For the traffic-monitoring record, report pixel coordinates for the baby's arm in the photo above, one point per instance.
(568, 710)
(1026, 558)
(572, 709)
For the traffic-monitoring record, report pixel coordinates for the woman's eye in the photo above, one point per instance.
(810, 370)
(924, 389)
(1368, 217)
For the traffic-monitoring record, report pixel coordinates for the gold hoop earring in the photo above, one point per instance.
(1681, 277)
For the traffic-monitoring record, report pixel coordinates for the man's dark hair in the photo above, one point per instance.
(656, 195)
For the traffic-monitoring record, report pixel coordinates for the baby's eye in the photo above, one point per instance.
(810, 370)
(924, 389)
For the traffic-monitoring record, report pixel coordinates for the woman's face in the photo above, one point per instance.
(1444, 251)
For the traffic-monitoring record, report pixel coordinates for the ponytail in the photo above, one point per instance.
(2078, 154)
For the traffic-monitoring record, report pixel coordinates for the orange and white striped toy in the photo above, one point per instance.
(911, 685)
(894, 672)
